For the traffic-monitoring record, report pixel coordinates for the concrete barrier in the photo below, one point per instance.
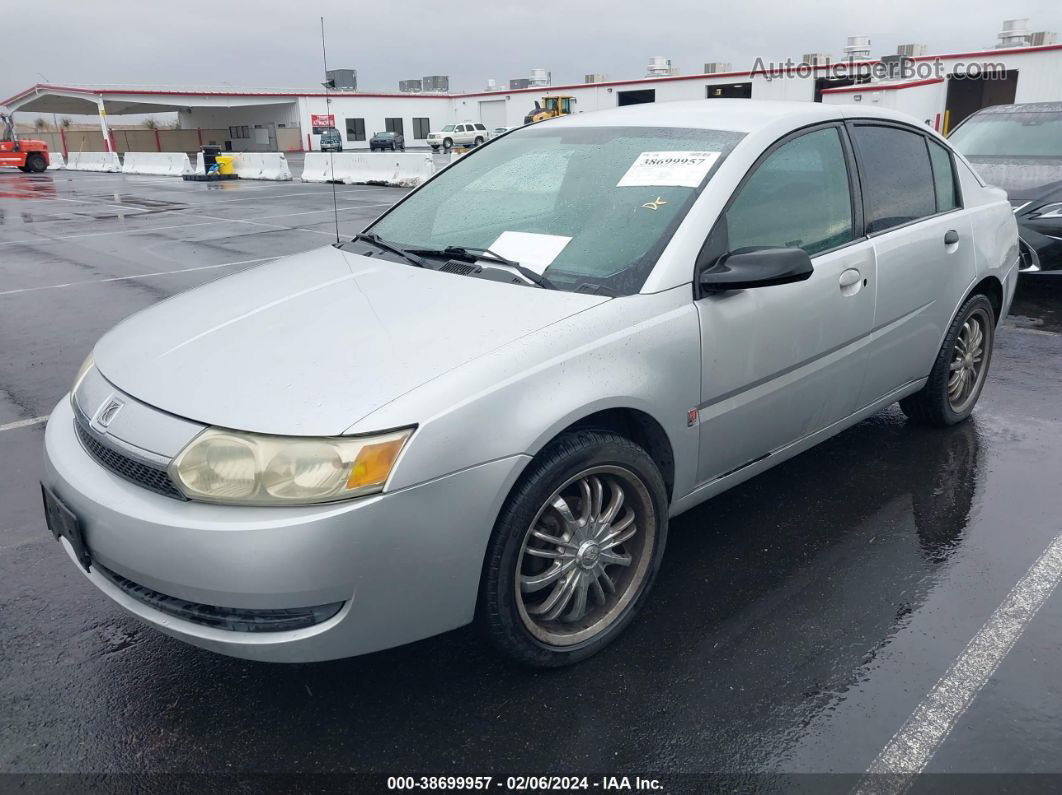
(94, 161)
(163, 164)
(55, 161)
(261, 165)
(403, 169)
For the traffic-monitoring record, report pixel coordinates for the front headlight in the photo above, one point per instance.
(252, 469)
(86, 365)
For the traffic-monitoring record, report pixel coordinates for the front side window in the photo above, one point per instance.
(798, 197)
(561, 187)
(898, 182)
(947, 188)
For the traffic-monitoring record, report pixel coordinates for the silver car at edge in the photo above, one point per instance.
(486, 407)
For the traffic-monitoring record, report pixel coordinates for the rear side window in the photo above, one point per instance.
(898, 182)
(480, 127)
(799, 196)
(943, 177)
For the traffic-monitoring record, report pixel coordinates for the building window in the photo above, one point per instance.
(635, 97)
(394, 125)
(239, 132)
(355, 129)
(421, 128)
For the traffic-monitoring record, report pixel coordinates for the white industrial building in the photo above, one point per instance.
(939, 89)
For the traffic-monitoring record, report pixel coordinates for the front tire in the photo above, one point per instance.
(36, 163)
(574, 551)
(960, 370)
(448, 143)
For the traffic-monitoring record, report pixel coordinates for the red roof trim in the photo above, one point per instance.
(532, 90)
(863, 88)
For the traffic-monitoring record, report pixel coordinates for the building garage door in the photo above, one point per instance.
(492, 113)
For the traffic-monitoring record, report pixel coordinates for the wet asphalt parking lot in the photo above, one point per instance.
(800, 623)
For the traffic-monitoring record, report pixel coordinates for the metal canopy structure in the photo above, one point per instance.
(121, 100)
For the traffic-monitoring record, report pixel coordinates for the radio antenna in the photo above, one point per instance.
(328, 115)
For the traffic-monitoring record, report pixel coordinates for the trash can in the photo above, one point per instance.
(210, 155)
(225, 163)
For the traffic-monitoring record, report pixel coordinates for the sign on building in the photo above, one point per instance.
(321, 122)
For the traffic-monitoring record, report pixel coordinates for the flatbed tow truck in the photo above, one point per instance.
(26, 154)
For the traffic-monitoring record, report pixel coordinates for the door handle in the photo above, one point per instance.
(851, 282)
(951, 237)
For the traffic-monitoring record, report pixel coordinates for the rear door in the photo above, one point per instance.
(782, 362)
(923, 244)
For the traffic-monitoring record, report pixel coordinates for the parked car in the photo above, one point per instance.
(500, 131)
(1019, 148)
(387, 140)
(487, 406)
(465, 134)
(331, 140)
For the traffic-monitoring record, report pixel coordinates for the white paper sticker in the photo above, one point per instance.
(664, 169)
(530, 249)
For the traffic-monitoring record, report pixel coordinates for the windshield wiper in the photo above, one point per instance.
(474, 252)
(379, 242)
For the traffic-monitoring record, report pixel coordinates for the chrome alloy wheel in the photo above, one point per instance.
(585, 555)
(967, 367)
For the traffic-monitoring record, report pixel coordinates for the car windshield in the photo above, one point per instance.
(1013, 134)
(384, 134)
(580, 205)
(448, 128)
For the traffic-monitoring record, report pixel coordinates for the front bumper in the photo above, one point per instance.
(406, 565)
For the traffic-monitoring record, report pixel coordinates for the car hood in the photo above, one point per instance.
(1024, 179)
(310, 344)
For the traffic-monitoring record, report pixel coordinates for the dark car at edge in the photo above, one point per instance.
(1019, 148)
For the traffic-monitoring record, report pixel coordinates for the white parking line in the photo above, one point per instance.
(914, 745)
(23, 423)
(137, 276)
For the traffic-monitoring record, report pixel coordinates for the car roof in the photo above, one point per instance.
(737, 115)
(1026, 107)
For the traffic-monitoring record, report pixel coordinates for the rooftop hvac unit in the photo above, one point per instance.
(857, 48)
(492, 85)
(343, 79)
(912, 50)
(410, 86)
(440, 83)
(716, 67)
(595, 77)
(1015, 33)
(659, 66)
(817, 59)
(1042, 38)
(519, 82)
(538, 77)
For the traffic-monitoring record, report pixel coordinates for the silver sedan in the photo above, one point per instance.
(487, 406)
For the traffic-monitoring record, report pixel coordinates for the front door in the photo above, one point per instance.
(784, 361)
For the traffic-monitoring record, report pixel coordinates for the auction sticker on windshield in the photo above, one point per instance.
(664, 169)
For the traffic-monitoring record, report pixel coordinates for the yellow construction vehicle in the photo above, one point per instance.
(551, 107)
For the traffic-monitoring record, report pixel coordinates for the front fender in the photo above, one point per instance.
(639, 352)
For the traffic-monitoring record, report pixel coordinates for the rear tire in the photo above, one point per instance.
(960, 370)
(478, 141)
(561, 583)
(36, 163)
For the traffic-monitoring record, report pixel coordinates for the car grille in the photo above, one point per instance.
(153, 478)
(231, 618)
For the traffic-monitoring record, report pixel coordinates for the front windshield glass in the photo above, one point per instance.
(448, 128)
(581, 205)
(1017, 134)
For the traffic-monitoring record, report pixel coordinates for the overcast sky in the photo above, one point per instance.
(273, 43)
